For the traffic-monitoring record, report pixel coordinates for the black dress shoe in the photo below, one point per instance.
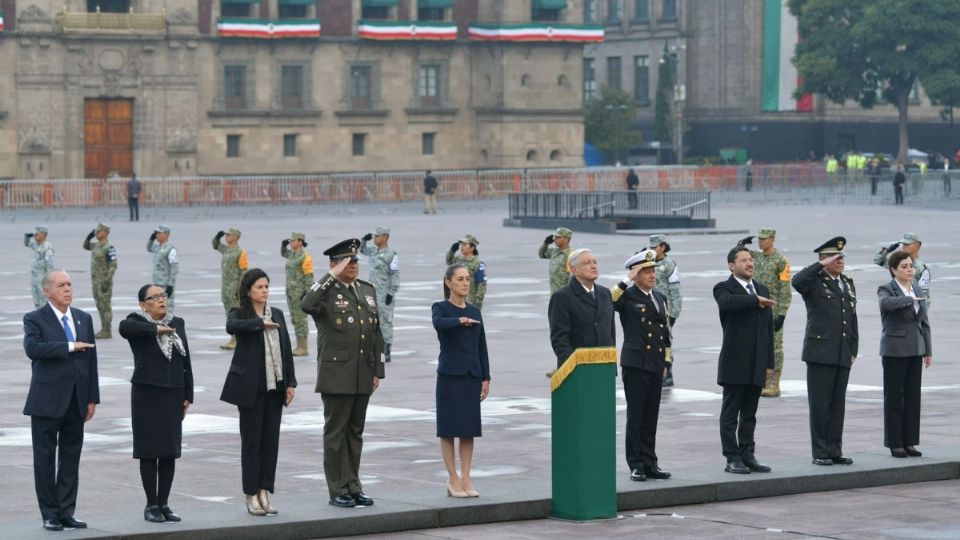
(153, 514)
(756, 466)
(656, 473)
(361, 499)
(668, 380)
(70, 522)
(168, 514)
(637, 475)
(899, 453)
(736, 467)
(52, 524)
(912, 452)
(343, 501)
(822, 461)
(840, 460)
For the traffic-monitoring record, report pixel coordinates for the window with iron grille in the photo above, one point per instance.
(233, 146)
(358, 143)
(289, 145)
(426, 143)
(291, 87)
(361, 87)
(235, 87)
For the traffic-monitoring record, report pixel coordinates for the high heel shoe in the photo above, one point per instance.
(912, 451)
(253, 506)
(471, 492)
(264, 497)
(898, 452)
(455, 493)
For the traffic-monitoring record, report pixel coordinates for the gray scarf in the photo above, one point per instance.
(166, 341)
(271, 351)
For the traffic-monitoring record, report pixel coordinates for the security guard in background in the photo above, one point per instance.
(465, 252)
(350, 366)
(299, 270)
(233, 263)
(41, 264)
(165, 263)
(559, 273)
(385, 277)
(668, 283)
(103, 266)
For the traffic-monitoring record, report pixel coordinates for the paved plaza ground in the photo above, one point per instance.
(401, 465)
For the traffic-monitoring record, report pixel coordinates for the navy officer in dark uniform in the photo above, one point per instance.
(829, 347)
(350, 366)
(645, 352)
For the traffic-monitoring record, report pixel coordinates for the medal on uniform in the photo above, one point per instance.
(350, 320)
(339, 297)
(339, 320)
(370, 301)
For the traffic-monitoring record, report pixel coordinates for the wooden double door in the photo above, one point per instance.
(107, 137)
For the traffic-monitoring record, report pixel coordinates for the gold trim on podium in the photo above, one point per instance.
(585, 355)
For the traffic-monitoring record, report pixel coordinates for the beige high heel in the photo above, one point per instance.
(253, 506)
(454, 493)
(264, 497)
(471, 492)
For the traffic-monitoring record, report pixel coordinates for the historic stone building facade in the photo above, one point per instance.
(210, 87)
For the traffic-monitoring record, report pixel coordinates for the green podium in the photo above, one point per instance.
(584, 435)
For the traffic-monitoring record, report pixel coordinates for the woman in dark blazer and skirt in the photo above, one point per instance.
(261, 382)
(160, 394)
(905, 345)
(463, 377)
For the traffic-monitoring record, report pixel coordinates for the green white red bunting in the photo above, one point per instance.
(253, 28)
(406, 30)
(537, 32)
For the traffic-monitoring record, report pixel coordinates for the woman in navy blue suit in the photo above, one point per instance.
(463, 377)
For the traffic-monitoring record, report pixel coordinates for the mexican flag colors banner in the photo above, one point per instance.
(780, 78)
(253, 28)
(536, 32)
(404, 30)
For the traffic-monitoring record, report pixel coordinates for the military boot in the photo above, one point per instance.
(386, 352)
(230, 345)
(301, 349)
(104, 333)
(772, 388)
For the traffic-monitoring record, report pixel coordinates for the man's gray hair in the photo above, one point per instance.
(576, 255)
(46, 277)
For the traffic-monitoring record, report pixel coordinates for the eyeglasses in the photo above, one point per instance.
(158, 296)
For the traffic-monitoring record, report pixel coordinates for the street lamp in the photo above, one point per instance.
(618, 125)
(679, 96)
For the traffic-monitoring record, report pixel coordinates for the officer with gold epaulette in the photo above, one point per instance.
(350, 366)
(829, 347)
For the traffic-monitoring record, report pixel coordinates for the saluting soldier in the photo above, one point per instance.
(103, 266)
(558, 255)
(829, 347)
(299, 268)
(350, 366)
(385, 276)
(41, 263)
(233, 263)
(165, 264)
(668, 284)
(911, 244)
(773, 270)
(469, 256)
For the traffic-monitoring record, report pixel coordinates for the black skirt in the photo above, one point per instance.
(157, 419)
(458, 406)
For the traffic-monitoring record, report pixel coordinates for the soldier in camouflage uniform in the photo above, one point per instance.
(299, 279)
(668, 283)
(233, 263)
(103, 265)
(385, 276)
(773, 270)
(165, 264)
(41, 264)
(911, 244)
(559, 273)
(469, 256)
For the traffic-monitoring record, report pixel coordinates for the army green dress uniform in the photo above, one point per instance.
(299, 270)
(773, 270)
(351, 349)
(40, 264)
(921, 271)
(103, 266)
(165, 263)
(385, 276)
(559, 271)
(477, 268)
(233, 263)
(668, 284)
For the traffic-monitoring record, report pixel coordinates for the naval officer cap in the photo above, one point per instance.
(162, 228)
(342, 250)
(766, 232)
(381, 230)
(910, 238)
(646, 258)
(832, 246)
(101, 227)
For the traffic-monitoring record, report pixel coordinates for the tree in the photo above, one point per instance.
(663, 104)
(943, 88)
(870, 50)
(607, 123)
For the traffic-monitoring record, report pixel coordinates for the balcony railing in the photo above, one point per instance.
(121, 23)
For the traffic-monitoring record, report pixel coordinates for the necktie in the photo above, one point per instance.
(750, 289)
(840, 285)
(656, 305)
(66, 329)
(593, 294)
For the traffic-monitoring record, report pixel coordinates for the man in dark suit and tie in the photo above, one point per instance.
(829, 347)
(645, 353)
(581, 314)
(64, 392)
(746, 358)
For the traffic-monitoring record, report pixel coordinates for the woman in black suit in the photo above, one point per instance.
(160, 395)
(463, 377)
(904, 347)
(261, 381)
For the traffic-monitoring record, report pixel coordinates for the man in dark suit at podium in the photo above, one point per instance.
(64, 392)
(581, 314)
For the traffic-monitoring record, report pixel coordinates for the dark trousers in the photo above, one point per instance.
(260, 441)
(738, 420)
(344, 416)
(898, 194)
(642, 390)
(632, 198)
(874, 181)
(901, 400)
(57, 443)
(827, 397)
(134, 204)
